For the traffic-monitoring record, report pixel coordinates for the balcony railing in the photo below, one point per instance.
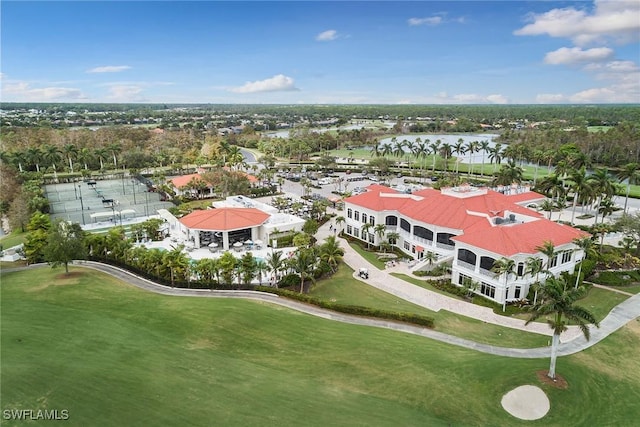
(466, 265)
(444, 246)
(488, 273)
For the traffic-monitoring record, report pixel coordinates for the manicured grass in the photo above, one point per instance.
(634, 289)
(12, 239)
(369, 256)
(115, 355)
(601, 301)
(423, 284)
(343, 288)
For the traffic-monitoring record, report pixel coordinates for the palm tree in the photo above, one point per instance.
(331, 252)
(630, 173)
(509, 174)
(547, 206)
(18, 157)
(340, 220)
(584, 244)
(435, 149)
(471, 148)
(101, 154)
(495, 156)
(534, 268)
(387, 149)
(446, 151)
(581, 187)
(485, 146)
(302, 263)
(552, 185)
(34, 154)
(84, 156)
(393, 237)
(114, 148)
(261, 268)
(275, 262)
(177, 262)
(459, 149)
(558, 302)
(506, 267)
(603, 186)
(379, 230)
(52, 156)
(431, 257)
(364, 230)
(547, 249)
(606, 208)
(71, 152)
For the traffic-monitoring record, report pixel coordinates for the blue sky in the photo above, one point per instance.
(420, 52)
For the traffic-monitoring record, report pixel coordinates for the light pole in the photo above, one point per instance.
(81, 203)
(133, 187)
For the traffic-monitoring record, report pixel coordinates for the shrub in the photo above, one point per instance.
(352, 309)
(289, 280)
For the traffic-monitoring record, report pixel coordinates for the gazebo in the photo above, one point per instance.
(224, 226)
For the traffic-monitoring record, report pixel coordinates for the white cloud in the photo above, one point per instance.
(550, 98)
(326, 36)
(575, 55)
(596, 95)
(109, 69)
(23, 91)
(278, 83)
(125, 93)
(431, 20)
(610, 19)
(497, 99)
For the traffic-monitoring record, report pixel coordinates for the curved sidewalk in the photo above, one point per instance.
(618, 317)
(434, 301)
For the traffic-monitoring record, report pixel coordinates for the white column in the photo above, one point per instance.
(225, 240)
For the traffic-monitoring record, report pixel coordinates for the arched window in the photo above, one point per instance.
(467, 256)
(391, 220)
(486, 262)
(445, 238)
(404, 224)
(422, 232)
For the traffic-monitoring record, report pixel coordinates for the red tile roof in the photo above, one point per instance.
(224, 219)
(508, 240)
(183, 180)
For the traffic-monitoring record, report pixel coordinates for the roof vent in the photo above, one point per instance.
(499, 220)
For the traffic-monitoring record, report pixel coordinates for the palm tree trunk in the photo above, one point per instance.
(554, 354)
(579, 273)
(504, 302)
(573, 211)
(626, 200)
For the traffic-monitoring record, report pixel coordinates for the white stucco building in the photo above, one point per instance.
(472, 228)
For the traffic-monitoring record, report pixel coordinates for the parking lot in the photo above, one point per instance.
(88, 202)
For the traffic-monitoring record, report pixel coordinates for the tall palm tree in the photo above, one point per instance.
(603, 186)
(340, 220)
(548, 206)
(387, 149)
(534, 268)
(495, 156)
(471, 148)
(392, 237)
(261, 268)
(51, 155)
(509, 174)
(445, 151)
(19, 158)
(101, 154)
(558, 302)
(630, 173)
(547, 249)
(34, 155)
(585, 244)
(504, 267)
(70, 151)
(380, 230)
(114, 149)
(435, 149)
(364, 231)
(553, 186)
(581, 187)
(302, 264)
(485, 146)
(84, 156)
(459, 149)
(275, 262)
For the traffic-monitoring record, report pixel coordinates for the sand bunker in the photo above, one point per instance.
(526, 402)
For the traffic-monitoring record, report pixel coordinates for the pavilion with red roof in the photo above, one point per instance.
(223, 226)
(470, 227)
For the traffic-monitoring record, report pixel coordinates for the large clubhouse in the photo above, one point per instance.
(469, 227)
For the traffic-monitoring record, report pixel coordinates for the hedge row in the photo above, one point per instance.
(351, 309)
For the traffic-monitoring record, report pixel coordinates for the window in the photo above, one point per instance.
(391, 220)
(462, 278)
(349, 213)
(422, 232)
(566, 257)
(488, 290)
(466, 256)
(553, 262)
(407, 245)
(372, 220)
(372, 238)
(349, 229)
(356, 216)
(404, 224)
(520, 271)
(518, 291)
(356, 232)
(364, 218)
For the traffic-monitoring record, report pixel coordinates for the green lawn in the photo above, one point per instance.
(423, 284)
(114, 355)
(343, 288)
(369, 256)
(12, 239)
